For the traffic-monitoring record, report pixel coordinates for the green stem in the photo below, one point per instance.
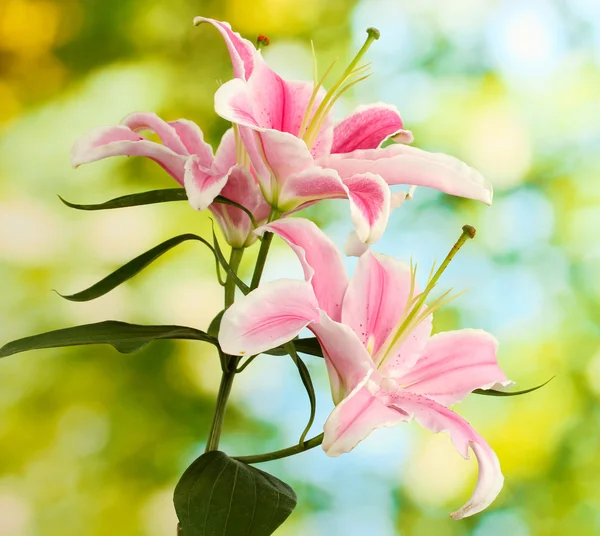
(263, 252)
(229, 362)
(468, 232)
(283, 453)
(224, 389)
(234, 263)
(261, 259)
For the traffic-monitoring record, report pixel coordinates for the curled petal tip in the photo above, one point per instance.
(403, 136)
(198, 21)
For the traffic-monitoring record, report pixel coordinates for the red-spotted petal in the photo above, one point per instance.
(347, 360)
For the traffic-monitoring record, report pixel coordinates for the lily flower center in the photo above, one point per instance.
(415, 310)
(310, 127)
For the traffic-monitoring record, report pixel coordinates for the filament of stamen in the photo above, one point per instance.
(332, 94)
(311, 102)
(409, 321)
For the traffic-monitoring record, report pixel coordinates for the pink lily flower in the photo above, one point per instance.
(384, 366)
(185, 156)
(300, 157)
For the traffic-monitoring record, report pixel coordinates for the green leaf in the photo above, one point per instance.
(220, 496)
(126, 338)
(132, 268)
(133, 200)
(309, 346)
(308, 385)
(215, 324)
(493, 392)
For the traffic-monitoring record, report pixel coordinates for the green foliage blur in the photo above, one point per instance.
(92, 442)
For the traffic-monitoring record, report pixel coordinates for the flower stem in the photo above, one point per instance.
(224, 390)
(263, 252)
(283, 453)
(229, 362)
(234, 263)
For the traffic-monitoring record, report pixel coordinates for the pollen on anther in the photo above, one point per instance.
(263, 40)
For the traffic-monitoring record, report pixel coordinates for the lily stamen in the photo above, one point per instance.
(408, 322)
(317, 85)
(334, 92)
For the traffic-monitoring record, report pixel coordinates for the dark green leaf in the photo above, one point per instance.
(220, 496)
(308, 346)
(133, 200)
(215, 324)
(126, 338)
(492, 392)
(132, 268)
(308, 385)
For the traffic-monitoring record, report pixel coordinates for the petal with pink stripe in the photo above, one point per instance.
(119, 140)
(438, 418)
(321, 260)
(453, 364)
(242, 52)
(347, 360)
(366, 128)
(402, 164)
(369, 197)
(271, 315)
(355, 417)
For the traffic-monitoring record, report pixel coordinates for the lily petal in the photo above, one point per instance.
(200, 184)
(192, 138)
(402, 164)
(347, 360)
(268, 102)
(205, 179)
(355, 417)
(367, 128)
(375, 299)
(150, 121)
(119, 140)
(225, 158)
(309, 186)
(438, 418)
(242, 52)
(369, 197)
(321, 260)
(453, 364)
(354, 247)
(271, 315)
(285, 154)
(241, 187)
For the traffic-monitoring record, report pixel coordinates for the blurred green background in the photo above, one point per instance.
(92, 442)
